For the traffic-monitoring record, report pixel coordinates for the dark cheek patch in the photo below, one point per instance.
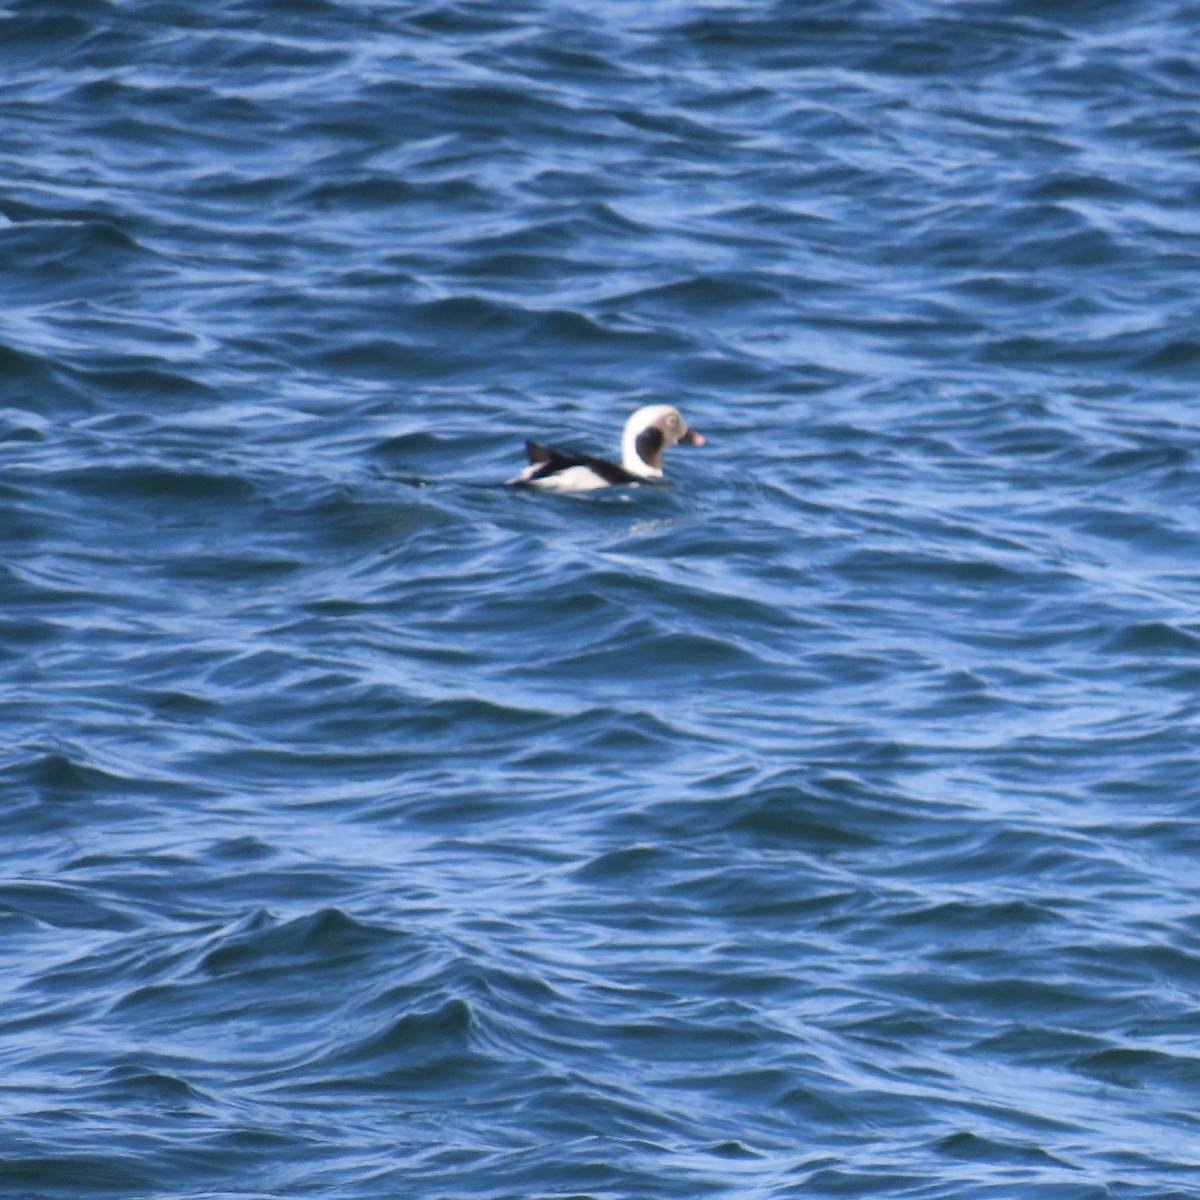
(649, 446)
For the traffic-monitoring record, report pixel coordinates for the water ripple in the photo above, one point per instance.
(821, 822)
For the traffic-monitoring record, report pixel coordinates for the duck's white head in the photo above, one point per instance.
(648, 433)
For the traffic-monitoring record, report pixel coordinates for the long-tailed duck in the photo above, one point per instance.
(647, 434)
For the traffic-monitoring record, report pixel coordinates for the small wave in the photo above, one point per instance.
(63, 907)
(154, 482)
(134, 1084)
(1177, 355)
(79, 1174)
(973, 1147)
(628, 863)
(388, 192)
(1138, 1067)
(328, 937)
(1155, 638)
(44, 241)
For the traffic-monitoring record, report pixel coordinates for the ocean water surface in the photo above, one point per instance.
(824, 824)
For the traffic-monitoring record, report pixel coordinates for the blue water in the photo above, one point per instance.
(822, 825)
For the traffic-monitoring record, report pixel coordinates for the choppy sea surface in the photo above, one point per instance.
(824, 824)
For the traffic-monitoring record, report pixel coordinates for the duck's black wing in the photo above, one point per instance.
(550, 461)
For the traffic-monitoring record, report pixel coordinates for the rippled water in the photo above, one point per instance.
(821, 825)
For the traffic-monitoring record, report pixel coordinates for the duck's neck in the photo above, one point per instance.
(641, 451)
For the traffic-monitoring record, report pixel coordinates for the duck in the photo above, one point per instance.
(647, 433)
